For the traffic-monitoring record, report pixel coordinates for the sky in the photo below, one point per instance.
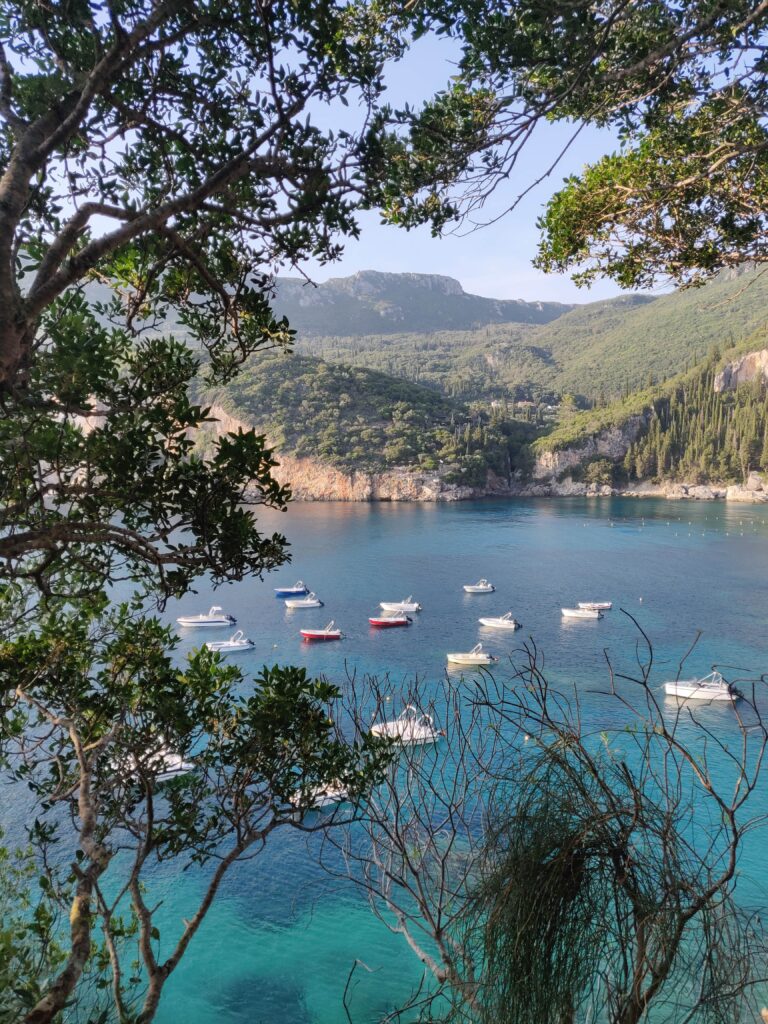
(493, 261)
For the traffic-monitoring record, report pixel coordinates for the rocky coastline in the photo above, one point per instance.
(312, 480)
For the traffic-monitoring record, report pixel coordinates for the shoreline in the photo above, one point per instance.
(738, 493)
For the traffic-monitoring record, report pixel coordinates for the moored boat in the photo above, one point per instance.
(162, 765)
(389, 621)
(481, 587)
(329, 632)
(237, 642)
(298, 588)
(310, 601)
(599, 606)
(581, 613)
(410, 727)
(172, 766)
(711, 687)
(477, 656)
(406, 605)
(320, 796)
(506, 621)
(215, 616)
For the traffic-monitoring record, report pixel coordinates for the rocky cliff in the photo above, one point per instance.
(742, 370)
(313, 480)
(610, 444)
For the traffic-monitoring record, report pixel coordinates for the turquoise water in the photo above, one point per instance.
(280, 943)
(282, 938)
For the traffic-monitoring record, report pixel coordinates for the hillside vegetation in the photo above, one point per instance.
(601, 349)
(691, 432)
(359, 419)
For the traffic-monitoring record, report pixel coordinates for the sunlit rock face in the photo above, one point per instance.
(610, 444)
(743, 370)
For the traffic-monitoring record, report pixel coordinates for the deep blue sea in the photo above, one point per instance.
(282, 937)
(280, 942)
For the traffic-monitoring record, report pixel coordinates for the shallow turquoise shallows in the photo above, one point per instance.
(281, 940)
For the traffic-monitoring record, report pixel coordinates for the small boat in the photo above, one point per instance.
(411, 726)
(481, 587)
(477, 656)
(507, 621)
(596, 606)
(389, 621)
(329, 632)
(320, 796)
(298, 588)
(214, 617)
(711, 687)
(163, 765)
(172, 765)
(236, 643)
(581, 613)
(406, 605)
(310, 601)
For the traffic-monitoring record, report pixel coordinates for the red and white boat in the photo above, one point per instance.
(389, 621)
(329, 632)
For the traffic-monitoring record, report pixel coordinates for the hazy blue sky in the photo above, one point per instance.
(493, 261)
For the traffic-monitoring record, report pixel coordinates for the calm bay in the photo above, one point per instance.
(283, 937)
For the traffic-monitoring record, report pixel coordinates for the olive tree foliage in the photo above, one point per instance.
(158, 160)
(682, 85)
(95, 713)
(544, 870)
(29, 952)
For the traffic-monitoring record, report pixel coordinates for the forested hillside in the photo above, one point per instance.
(359, 419)
(691, 432)
(699, 435)
(600, 349)
(446, 399)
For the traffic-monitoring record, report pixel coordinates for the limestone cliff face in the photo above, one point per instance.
(610, 444)
(313, 480)
(752, 365)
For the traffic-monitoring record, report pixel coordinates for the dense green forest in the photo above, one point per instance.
(599, 350)
(698, 435)
(690, 432)
(359, 419)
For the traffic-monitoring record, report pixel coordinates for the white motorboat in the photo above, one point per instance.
(481, 587)
(216, 616)
(172, 765)
(711, 687)
(411, 726)
(599, 606)
(581, 613)
(310, 601)
(320, 796)
(406, 605)
(477, 656)
(237, 642)
(506, 621)
(165, 764)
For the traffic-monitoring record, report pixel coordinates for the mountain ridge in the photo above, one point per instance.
(373, 301)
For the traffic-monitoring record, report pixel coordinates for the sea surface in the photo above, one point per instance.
(281, 941)
(282, 938)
